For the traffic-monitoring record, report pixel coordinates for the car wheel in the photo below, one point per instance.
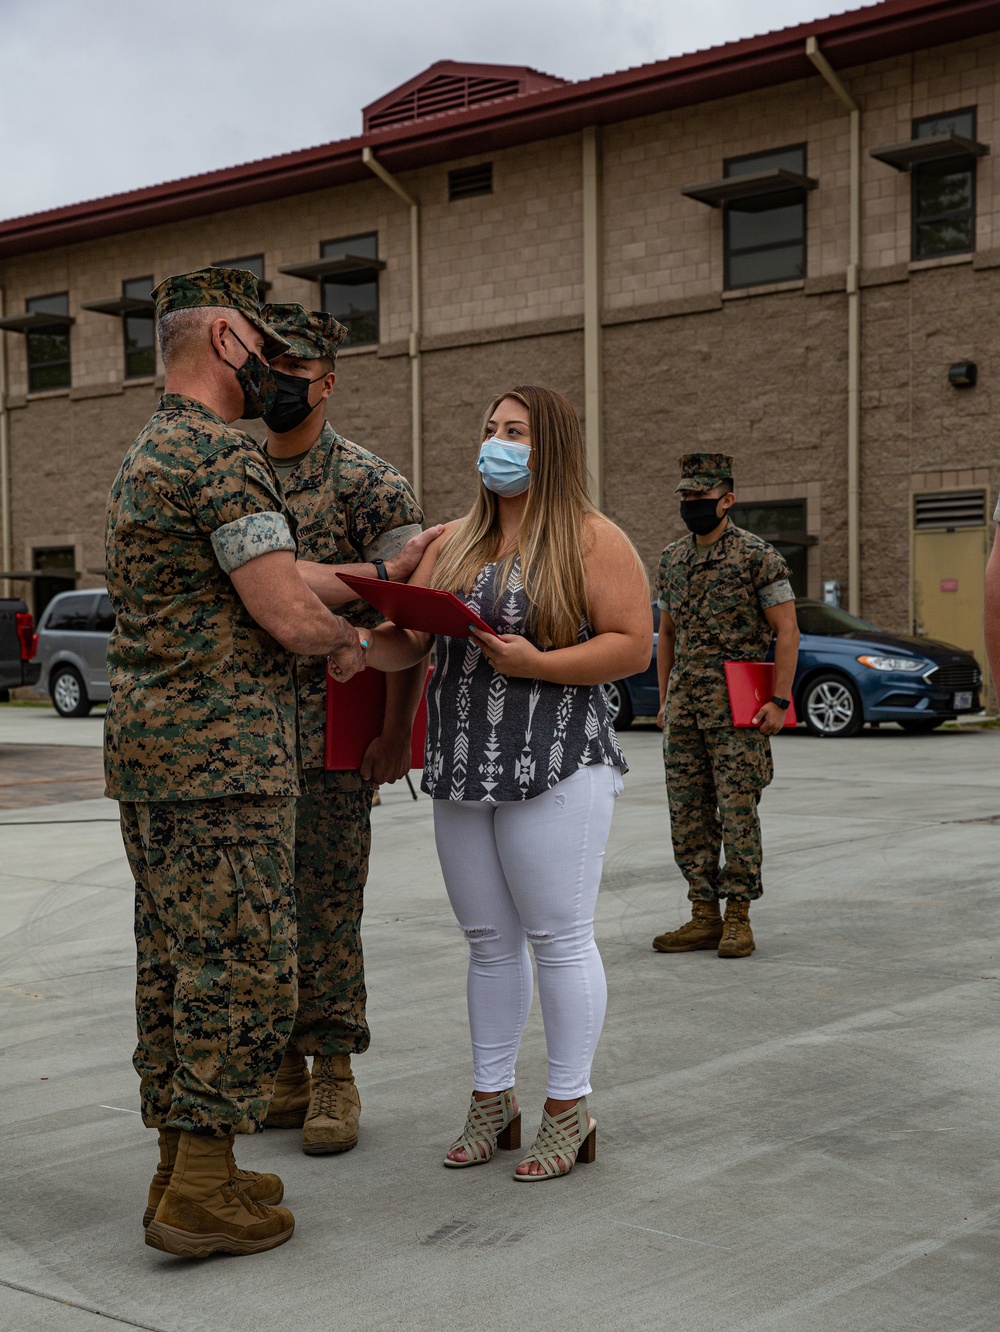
(922, 727)
(620, 713)
(832, 707)
(69, 698)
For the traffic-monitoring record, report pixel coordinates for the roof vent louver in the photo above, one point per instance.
(949, 510)
(447, 92)
(451, 85)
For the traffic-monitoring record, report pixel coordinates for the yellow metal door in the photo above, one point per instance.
(948, 572)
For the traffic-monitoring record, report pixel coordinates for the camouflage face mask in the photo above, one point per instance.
(256, 378)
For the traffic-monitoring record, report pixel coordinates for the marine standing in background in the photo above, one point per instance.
(200, 751)
(722, 593)
(352, 509)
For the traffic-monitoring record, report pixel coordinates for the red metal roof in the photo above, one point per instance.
(857, 37)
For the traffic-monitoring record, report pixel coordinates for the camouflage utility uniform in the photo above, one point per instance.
(347, 502)
(716, 596)
(200, 750)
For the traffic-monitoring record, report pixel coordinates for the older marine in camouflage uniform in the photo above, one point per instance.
(351, 508)
(721, 599)
(200, 751)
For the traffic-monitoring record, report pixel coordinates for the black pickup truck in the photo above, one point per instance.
(18, 646)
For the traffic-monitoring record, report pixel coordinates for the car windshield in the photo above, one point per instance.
(829, 621)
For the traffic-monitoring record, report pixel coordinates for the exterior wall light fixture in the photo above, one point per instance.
(962, 374)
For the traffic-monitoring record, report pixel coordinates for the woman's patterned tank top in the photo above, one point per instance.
(492, 737)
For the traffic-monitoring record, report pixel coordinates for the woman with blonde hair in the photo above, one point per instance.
(522, 762)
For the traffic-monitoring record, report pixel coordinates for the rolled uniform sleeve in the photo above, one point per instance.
(236, 504)
(239, 542)
(771, 579)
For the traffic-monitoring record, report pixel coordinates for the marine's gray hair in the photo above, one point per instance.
(178, 329)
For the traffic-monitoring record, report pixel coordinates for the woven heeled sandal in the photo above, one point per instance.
(562, 1141)
(490, 1124)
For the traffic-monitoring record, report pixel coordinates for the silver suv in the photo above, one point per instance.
(72, 647)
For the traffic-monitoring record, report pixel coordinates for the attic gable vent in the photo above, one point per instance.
(454, 85)
(445, 92)
(952, 509)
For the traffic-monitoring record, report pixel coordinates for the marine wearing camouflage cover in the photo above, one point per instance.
(228, 288)
(200, 749)
(347, 504)
(704, 471)
(309, 333)
(716, 596)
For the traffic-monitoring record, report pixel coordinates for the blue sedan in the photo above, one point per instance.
(849, 673)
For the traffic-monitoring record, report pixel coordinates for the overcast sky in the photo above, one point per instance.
(98, 96)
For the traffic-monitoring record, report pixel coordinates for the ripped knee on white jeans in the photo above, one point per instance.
(539, 936)
(479, 933)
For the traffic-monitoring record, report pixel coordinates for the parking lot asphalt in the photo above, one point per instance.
(803, 1141)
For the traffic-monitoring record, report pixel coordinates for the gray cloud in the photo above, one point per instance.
(98, 96)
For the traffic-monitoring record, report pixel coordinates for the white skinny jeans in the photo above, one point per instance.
(521, 872)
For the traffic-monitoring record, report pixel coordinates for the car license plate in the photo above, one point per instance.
(963, 702)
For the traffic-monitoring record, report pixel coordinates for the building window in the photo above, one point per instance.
(765, 234)
(464, 182)
(352, 296)
(254, 263)
(944, 191)
(55, 567)
(48, 347)
(139, 331)
(783, 524)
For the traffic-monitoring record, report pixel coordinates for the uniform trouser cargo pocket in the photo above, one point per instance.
(215, 941)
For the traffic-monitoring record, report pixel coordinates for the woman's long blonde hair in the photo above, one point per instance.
(550, 537)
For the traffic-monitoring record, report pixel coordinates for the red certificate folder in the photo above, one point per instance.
(426, 609)
(355, 715)
(751, 685)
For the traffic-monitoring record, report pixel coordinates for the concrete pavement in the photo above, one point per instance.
(805, 1141)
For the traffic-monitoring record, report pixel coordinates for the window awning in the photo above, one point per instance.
(35, 322)
(754, 185)
(120, 305)
(936, 148)
(339, 267)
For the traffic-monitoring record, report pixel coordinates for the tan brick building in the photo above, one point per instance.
(787, 247)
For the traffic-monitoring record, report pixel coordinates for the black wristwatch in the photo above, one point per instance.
(783, 703)
(380, 569)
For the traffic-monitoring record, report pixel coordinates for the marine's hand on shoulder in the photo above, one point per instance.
(510, 654)
(402, 565)
(421, 576)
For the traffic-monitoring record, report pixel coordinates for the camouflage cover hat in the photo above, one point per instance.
(234, 288)
(309, 333)
(704, 471)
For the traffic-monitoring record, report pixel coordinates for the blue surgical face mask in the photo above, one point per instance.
(503, 465)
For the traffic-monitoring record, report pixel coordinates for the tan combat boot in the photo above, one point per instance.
(334, 1109)
(260, 1188)
(737, 936)
(290, 1098)
(204, 1210)
(703, 930)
